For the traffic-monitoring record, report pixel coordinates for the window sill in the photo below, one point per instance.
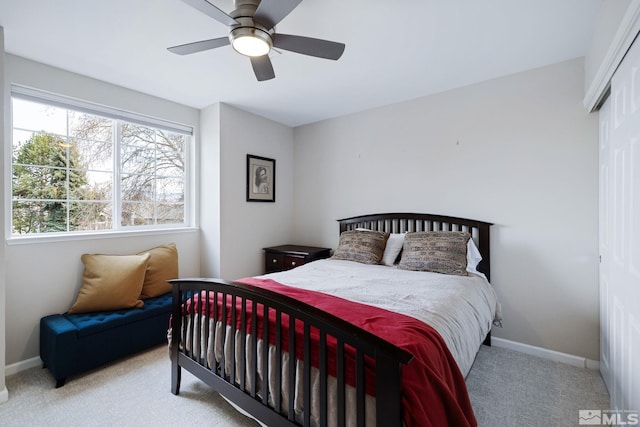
(68, 237)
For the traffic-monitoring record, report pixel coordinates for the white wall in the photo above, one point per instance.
(43, 278)
(209, 199)
(234, 230)
(519, 151)
(247, 227)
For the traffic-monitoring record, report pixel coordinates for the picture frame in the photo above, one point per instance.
(261, 179)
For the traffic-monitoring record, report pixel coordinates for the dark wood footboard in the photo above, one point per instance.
(242, 385)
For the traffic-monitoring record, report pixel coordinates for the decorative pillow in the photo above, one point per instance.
(162, 266)
(437, 251)
(366, 247)
(110, 282)
(392, 248)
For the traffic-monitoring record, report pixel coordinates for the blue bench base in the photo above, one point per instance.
(74, 343)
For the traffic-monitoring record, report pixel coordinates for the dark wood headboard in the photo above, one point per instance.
(403, 222)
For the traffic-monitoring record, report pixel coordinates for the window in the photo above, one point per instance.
(75, 169)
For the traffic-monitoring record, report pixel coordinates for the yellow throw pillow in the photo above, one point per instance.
(110, 282)
(162, 266)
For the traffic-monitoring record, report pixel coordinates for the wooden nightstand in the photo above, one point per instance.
(286, 257)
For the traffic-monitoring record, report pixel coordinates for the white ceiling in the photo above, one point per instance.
(396, 50)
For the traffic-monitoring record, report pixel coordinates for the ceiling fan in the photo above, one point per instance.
(252, 33)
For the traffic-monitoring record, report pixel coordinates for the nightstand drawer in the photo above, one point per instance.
(292, 261)
(286, 257)
(273, 262)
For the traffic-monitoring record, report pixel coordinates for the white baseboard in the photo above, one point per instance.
(4, 395)
(556, 356)
(14, 368)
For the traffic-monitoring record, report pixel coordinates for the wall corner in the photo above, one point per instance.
(4, 113)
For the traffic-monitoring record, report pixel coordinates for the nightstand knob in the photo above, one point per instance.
(274, 261)
(293, 263)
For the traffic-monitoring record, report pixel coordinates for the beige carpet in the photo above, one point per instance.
(132, 392)
(506, 388)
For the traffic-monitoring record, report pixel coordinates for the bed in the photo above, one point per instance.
(345, 341)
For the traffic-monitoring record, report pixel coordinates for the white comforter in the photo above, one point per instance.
(460, 308)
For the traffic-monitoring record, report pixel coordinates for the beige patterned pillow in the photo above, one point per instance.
(436, 251)
(366, 247)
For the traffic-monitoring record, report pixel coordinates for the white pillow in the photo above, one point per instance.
(392, 249)
(473, 257)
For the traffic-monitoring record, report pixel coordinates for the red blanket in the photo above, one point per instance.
(433, 389)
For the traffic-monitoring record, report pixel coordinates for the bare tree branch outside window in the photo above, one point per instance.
(66, 165)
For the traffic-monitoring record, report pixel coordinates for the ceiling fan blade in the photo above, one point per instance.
(208, 9)
(270, 12)
(186, 49)
(262, 67)
(309, 46)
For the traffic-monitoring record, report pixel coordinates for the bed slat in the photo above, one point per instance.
(360, 387)
(254, 350)
(307, 374)
(292, 367)
(322, 349)
(243, 344)
(216, 295)
(223, 362)
(265, 355)
(341, 383)
(278, 392)
(232, 371)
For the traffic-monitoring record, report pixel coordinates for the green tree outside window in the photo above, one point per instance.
(45, 170)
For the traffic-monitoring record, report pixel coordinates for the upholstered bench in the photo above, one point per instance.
(74, 343)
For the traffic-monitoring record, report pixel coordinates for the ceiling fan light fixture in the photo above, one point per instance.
(251, 41)
(252, 33)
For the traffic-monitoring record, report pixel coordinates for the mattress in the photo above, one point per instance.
(461, 308)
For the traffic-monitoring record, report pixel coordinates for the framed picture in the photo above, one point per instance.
(261, 179)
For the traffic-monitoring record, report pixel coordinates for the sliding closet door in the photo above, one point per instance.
(605, 245)
(620, 234)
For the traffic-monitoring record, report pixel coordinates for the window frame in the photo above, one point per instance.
(60, 101)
